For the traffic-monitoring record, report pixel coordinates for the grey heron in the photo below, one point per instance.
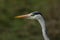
(38, 16)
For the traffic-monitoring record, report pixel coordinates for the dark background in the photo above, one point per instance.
(23, 29)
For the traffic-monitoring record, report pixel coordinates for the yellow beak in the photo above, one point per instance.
(22, 16)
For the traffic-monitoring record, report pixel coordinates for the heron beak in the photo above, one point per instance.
(21, 16)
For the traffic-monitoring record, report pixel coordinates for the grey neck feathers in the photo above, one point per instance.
(42, 23)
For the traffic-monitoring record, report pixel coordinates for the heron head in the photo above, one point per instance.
(33, 15)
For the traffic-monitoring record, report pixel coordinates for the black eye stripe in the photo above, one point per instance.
(37, 13)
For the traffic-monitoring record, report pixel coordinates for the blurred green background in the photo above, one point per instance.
(23, 29)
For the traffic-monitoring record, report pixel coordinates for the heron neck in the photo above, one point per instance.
(42, 22)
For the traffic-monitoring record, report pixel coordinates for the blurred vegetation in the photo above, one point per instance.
(22, 29)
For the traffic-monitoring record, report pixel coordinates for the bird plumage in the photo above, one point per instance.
(39, 17)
